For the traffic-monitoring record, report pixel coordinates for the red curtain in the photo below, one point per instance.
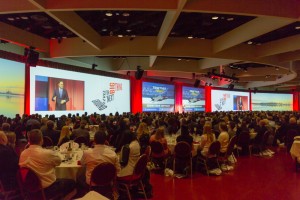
(27, 90)
(178, 97)
(136, 95)
(295, 101)
(75, 91)
(207, 98)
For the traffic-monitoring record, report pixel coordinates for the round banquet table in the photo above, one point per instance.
(69, 169)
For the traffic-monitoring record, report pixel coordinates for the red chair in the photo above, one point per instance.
(158, 156)
(183, 152)
(81, 140)
(213, 153)
(31, 187)
(136, 178)
(103, 178)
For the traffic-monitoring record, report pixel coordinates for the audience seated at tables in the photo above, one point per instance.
(159, 136)
(207, 138)
(64, 135)
(99, 154)
(134, 154)
(43, 163)
(9, 164)
(81, 132)
(50, 132)
(223, 137)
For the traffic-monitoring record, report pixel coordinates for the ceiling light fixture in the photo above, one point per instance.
(108, 14)
(297, 27)
(190, 37)
(104, 30)
(120, 35)
(215, 17)
(230, 19)
(276, 68)
(126, 14)
(11, 19)
(249, 42)
(179, 59)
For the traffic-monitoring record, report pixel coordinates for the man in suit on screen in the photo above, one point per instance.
(60, 96)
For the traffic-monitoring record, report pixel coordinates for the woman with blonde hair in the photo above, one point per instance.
(207, 138)
(159, 136)
(64, 135)
(142, 129)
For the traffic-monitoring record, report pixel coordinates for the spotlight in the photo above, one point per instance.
(59, 40)
(276, 68)
(139, 73)
(94, 66)
(230, 86)
(197, 83)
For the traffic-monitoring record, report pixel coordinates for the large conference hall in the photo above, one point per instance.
(161, 99)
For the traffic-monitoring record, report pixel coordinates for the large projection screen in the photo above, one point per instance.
(272, 102)
(157, 97)
(193, 99)
(223, 100)
(12, 84)
(82, 92)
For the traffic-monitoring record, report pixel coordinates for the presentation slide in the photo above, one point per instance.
(272, 102)
(12, 87)
(193, 99)
(158, 97)
(223, 100)
(55, 91)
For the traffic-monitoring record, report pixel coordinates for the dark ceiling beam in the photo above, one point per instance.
(23, 38)
(287, 44)
(213, 62)
(112, 5)
(248, 31)
(168, 23)
(276, 8)
(73, 22)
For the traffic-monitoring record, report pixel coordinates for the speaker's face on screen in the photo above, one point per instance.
(61, 85)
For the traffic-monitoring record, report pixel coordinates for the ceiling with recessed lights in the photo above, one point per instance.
(179, 40)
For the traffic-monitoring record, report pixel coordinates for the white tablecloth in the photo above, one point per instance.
(69, 169)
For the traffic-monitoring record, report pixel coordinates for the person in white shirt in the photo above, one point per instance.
(43, 163)
(223, 137)
(99, 154)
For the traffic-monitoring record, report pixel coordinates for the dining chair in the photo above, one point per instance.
(103, 179)
(8, 193)
(229, 151)
(183, 152)
(213, 153)
(135, 179)
(157, 155)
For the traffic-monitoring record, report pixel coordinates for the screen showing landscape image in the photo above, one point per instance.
(193, 99)
(272, 102)
(158, 97)
(12, 76)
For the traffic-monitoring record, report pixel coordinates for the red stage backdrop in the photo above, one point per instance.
(136, 95)
(75, 91)
(178, 97)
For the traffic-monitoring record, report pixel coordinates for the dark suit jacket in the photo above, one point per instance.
(64, 96)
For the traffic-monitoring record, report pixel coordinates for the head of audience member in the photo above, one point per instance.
(100, 137)
(83, 123)
(3, 138)
(160, 133)
(223, 127)
(207, 130)
(129, 137)
(262, 123)
(5, 127)
(142, 129)
(292, 120)
(11, 137)
(184, 130)
(50, 125)
(35, 137)
(44, 120)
